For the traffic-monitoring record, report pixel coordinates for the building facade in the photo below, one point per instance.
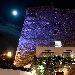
(43, 26)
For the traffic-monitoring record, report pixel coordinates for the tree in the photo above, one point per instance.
(71, 71)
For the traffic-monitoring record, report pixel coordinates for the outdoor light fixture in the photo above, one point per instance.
(9, 54)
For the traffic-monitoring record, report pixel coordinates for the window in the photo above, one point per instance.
(55, 31)
(58, 44)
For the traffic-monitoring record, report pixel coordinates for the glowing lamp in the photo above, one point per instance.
(9, 54)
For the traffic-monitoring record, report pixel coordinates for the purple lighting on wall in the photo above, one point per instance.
(44, 25)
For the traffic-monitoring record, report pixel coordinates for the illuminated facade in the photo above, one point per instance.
(43, 26)
(66, 51)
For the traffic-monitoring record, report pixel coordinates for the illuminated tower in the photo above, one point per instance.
(42, 27)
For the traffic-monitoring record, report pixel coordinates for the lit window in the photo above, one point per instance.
(58, 44)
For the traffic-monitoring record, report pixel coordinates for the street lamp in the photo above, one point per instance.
(9, 54)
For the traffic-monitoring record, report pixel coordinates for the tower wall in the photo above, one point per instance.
(44, 25)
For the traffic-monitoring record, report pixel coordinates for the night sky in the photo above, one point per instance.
(11, 25)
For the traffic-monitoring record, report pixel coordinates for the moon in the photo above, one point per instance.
(14, 12)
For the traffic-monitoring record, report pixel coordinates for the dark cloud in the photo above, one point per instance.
(9, 35)
(13, 26)
(9, 28)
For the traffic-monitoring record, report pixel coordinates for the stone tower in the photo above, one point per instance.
(42, 26)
